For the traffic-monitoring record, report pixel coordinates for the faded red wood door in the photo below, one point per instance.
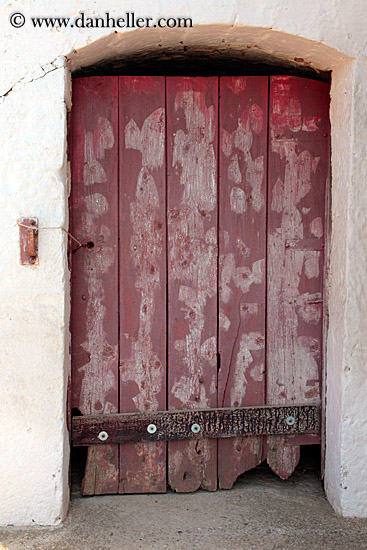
(200, 204)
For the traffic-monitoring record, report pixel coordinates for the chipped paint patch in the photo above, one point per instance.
(316, 227)
(224, 322)
(238, 200)
(249, 343)
(312, 264)
(149, 140)
(236, 83)
(95, 144)
(144, 367)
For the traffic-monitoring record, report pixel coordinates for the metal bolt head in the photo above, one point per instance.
(195, 428)
(290, 420)
(152, 428)
(102, 436)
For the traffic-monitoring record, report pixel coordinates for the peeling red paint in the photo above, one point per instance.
(295, 251)
(142, 273)
(192, 268)
(236, 83)
(94, 320)
(242, 278)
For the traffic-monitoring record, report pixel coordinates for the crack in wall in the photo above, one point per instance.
(57, 63)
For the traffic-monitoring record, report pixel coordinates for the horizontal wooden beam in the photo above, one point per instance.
(195, 424)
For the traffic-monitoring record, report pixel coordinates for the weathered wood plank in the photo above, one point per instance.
(213, 423)
(192, 119)
(94, 284)
(242, 252)
(298, 174)
(142, 273)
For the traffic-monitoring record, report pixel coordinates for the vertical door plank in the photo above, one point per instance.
(94, 281)
(192, 119)
(242, 252)
(142, 273)
(298, 174)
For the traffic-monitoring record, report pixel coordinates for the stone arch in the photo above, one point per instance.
(250, 45)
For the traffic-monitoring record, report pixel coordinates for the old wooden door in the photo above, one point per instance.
(200, 206)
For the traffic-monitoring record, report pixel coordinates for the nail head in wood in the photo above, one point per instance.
(103, 436)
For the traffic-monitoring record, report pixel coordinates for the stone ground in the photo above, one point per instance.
(260, 512)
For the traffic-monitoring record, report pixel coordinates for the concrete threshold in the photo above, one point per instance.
(260, 512)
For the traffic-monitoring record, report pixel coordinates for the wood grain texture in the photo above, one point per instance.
(214, 423)
(94, 317)
(242, 252)
(298, 175)
(192, 119)
(142, 273)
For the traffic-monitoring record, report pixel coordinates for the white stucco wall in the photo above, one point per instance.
(34, 307)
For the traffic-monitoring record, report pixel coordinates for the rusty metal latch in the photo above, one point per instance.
(28, 236)
(195, 424)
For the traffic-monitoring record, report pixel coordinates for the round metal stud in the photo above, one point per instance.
(290, 420)
(195, 428)
(152, 428)
(102, 436)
